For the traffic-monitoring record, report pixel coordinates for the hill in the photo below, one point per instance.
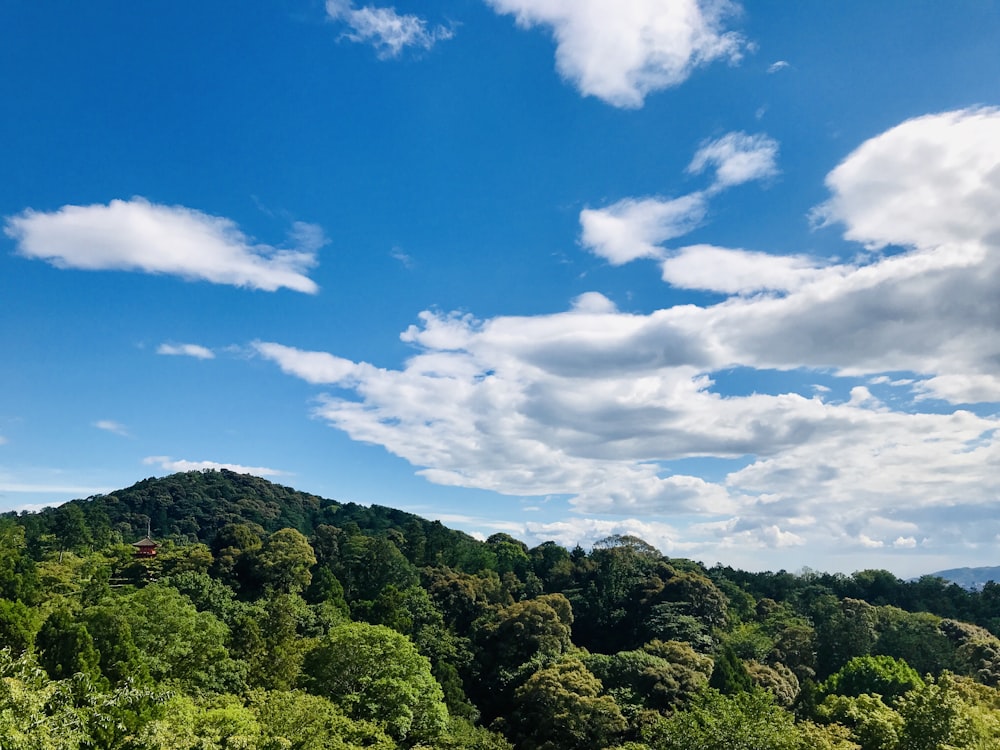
(196, 506)
(972, 579)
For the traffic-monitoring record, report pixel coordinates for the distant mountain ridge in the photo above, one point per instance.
(972, 579)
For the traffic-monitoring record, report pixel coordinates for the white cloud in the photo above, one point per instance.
(777, 66)
(927, 183)
(109, 425)
(636, 228)
(186, 350)
(866, 541)
(631, 229)
(966, 388)
(737, 158)
(385, 29)
(313, 367)
(733, 271)
(169, 464)
(622, 50)
(137, 235)
(598, 404)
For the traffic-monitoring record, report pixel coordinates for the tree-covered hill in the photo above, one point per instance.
(196, 506)
(271, 618)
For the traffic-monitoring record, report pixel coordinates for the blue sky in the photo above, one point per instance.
(722, 276)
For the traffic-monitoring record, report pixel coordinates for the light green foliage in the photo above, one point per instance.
(878, 675)
(873, 724)
(309, 722)
(511, 554)
(178, 642)
(561, 706)
(935, 717)
(193, 558)
(746, 721)
(285, 560)
(825, 737)
(464, 735)
(374, 673)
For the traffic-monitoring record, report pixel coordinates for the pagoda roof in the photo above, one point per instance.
(145, 542)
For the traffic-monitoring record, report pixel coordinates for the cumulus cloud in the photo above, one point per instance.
(929, 183)
(635, 228)
(385, 29)
(171, 465)
(734, 271)
(186, 350)
(737, 158)
(616, 410)
(622, 50)
(137, 235)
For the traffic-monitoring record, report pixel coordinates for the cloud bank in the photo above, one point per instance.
(619, 411)
(137, 235)
(620, 51)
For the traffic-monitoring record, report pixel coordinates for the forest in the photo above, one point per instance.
(273, 619)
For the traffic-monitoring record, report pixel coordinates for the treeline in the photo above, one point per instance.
(276, 619)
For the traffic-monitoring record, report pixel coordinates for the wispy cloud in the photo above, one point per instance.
(169, 464)
(386, 30)
(622, 50)
(737, 158)
(404, 258)
(186, 350)
(778, 66)
(109, 425)
(137, 235)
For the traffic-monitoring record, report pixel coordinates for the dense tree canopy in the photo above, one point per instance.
(275, 619)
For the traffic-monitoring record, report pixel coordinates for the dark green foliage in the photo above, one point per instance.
(729, 675)
(65, 647)
(16, 631)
